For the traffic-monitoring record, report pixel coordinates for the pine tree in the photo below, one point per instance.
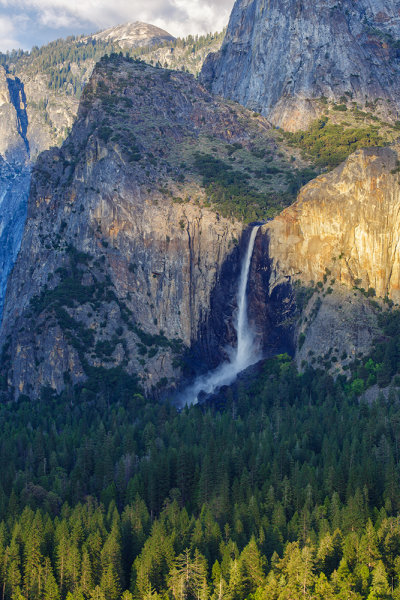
(252, 567)
(110, 582)
(111, 560)
(97, 594)
(323, 590)
(61, 561)
(380, 589)
(236, 584)
(86, 580)
(51, 591)
(220, 587)
(368, 552)
(33, 565)
(188, 577)
(13, 570)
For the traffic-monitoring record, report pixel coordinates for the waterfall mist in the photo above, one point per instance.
(245, 353)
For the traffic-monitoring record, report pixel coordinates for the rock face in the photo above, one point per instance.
(134, 35)
(187, 54)
(125, 266)
(34, 116)
(335, 329)
(121, 259)
(272, 306)
(51, 106)
(279, 55)
(14, 189)
(13, 123)
(345, 225)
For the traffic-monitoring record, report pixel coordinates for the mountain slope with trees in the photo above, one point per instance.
(54, 75)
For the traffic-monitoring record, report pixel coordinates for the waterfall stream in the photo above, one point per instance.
(244, 354)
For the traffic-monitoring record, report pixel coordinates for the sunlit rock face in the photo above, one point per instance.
(345, 223)
(279, 55)
(124, 264)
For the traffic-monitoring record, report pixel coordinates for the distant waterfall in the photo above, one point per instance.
(244, 354)
(14, 190)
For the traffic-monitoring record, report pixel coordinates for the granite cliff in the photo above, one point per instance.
(133, 252)
(345, 222)
(39, 99)
(279, 56)
(136, 226)
(125, 262)
(54, 75)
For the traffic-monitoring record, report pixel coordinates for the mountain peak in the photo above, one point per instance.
(133, 35)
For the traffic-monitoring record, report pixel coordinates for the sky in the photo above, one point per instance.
(25, 23)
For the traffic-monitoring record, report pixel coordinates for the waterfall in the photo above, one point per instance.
(14, 190)
(245, 336)
(244, 354)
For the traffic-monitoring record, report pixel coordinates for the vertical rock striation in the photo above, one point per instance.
(279, 55)
(324, 257)
(345, 223)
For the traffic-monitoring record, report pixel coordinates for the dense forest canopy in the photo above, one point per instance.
(287, 488)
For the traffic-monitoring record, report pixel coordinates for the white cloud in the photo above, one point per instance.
(57, 19)
(8, 39)
(198, 16)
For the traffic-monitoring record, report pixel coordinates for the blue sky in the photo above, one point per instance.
(25, 23)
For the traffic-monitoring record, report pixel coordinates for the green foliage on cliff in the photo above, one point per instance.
(383, 363)
(55, 59)
(71, 293)
(191, 43)
(330, 144)
(183, 54)
(65, 61)
(233, 193)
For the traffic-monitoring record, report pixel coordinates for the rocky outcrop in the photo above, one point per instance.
(51, 108)
(127, 267)
(34, 116)
(278, 56)
(121, 254)
(14, 188)
(335, 328)
(13, 141)
(272, 308)
(187, 54)
(345, 226)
